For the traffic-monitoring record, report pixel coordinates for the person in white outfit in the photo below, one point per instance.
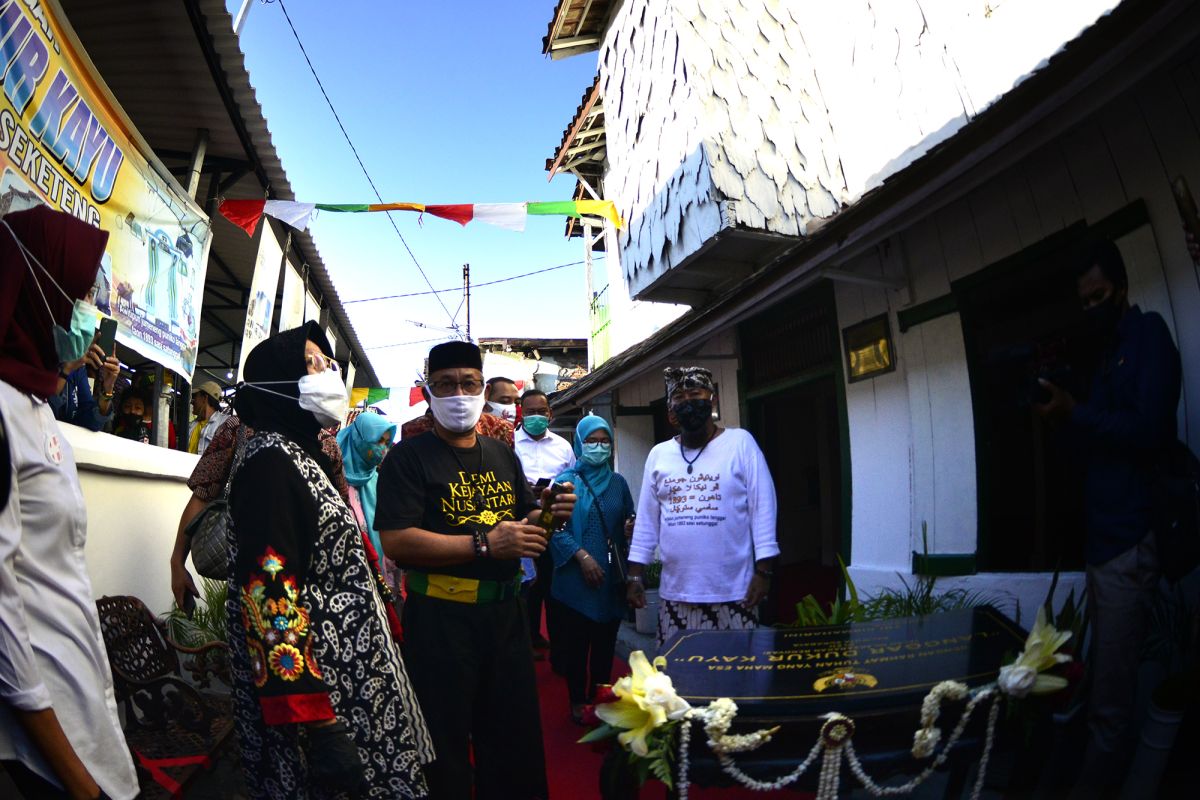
(59, 731)
(543, 455)
(708, 506)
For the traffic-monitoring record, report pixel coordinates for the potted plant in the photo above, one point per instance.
(646, 619)
(207, 624)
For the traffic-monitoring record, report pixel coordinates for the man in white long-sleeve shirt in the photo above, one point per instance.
(708, 505)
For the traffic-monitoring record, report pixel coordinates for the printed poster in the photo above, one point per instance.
(312, 309)
(291, 313)
(66, 143)
(261, 309)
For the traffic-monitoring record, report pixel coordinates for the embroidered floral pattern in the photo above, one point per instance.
(286, 662)
(276, 625)
(271, 562)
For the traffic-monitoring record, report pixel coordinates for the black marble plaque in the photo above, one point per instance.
(787, 672)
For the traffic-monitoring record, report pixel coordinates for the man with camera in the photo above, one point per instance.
(1122, 432)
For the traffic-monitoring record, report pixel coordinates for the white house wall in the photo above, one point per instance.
(912, 431)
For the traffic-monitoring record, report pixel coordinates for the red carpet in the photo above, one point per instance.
(573, 769)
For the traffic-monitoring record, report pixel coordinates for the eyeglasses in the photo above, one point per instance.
(445, 388)
(320, 362)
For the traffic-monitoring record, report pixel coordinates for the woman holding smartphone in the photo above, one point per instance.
(588, 563)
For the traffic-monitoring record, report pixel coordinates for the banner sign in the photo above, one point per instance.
(261, 308)
(291, 313)
(65, 142)
(312, 309)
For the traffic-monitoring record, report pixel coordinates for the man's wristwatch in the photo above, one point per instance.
(634, 579)
(764, 573)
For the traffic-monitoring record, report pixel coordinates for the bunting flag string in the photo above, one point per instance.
(511, 216)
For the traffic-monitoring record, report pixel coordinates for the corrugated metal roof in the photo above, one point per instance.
(155, 58)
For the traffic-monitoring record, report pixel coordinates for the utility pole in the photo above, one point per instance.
(467, 296)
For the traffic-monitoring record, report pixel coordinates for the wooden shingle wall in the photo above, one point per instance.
(770, 115)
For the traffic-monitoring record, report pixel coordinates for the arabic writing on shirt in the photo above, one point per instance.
(694, 499)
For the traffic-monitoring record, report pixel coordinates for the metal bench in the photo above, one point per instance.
(172, 728)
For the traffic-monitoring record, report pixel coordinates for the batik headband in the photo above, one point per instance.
(688, 378)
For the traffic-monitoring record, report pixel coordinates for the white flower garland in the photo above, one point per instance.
(836, 740)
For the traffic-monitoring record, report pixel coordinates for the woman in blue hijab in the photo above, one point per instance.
(364, 444)
(587, 584)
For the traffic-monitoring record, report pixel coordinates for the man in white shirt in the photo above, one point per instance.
(708, 506)
(544, 455)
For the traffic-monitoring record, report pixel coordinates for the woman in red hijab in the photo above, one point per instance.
(59, 731)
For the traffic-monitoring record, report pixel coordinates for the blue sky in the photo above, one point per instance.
(447, 103)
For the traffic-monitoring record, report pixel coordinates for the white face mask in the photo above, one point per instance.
(504, 411)
(457, 413)
(324, 395)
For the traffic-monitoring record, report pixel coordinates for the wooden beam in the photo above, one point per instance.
(234, 176)
(562, 153)
(584, 148)
(563, 6)
(583, 16)
(575, 41)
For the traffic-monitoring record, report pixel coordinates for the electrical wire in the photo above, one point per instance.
(406, 344)
(474, 286)
(363, 166)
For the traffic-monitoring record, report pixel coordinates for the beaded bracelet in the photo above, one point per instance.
(479, 540)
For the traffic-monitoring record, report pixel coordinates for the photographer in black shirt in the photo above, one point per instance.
(1121, 433)
(454, 510)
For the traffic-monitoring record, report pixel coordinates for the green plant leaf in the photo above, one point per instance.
(850, 587)
(599, 734)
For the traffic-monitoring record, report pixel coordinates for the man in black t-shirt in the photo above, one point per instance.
(454, 511)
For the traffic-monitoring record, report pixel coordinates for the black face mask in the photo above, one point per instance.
(1103, 318)
(693, 415)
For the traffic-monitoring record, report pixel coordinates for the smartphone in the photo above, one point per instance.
(108, 336)
(189, 604)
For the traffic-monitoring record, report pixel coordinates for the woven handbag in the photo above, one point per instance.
(208, 529)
